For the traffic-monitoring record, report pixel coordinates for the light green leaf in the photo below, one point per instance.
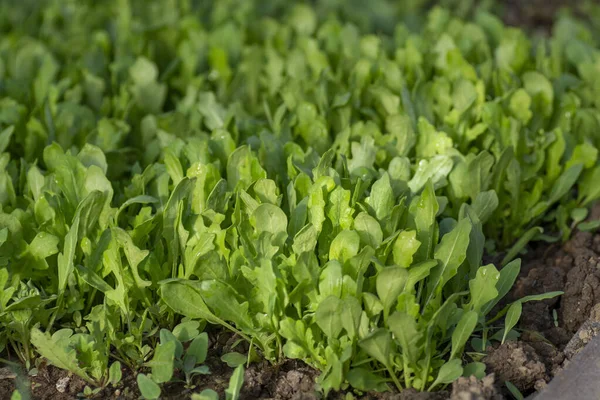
(57, 350)
(149, 389)
(512, 317)
(389, 284)
(448, 373)
(329, 316)
(163, 362)
(451, 252)
(483, 287)
(235, 384)
(378, 345)
(234, 359)
(463, 332)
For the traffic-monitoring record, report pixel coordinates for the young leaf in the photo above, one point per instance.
(404, 327)
(514, 391)
(451, 252)
(378, 345)
(329, 316)
(114, 373)
(476, 369)
(234, 359)
(508, 276)
(448, 373)
(198, 348)
(58, 351)
(235, 384)
(483, 287)
(390, 283)
(512, 317)
(149, 389)
(206, 394)
(163, 362)
(463, 332)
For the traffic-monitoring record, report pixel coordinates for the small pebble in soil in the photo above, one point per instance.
(61, 385)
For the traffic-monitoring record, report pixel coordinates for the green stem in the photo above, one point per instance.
(394, 377)
(407, 382)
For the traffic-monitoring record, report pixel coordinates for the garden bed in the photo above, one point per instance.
(234, 213)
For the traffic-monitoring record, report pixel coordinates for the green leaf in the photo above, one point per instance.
(185, 300)
(186, 331)
(235, 384)
(149, 389)
(514, 391)
(389, 284)
(206, 394)
(463, 332)
(382, 197)
(378, 345)
(351, 312)
(57, 350)
(448, 373)
(269, 218)
(163, 362)
(476, 369)
(339, 211)
(5, 136)
(564, 183)
(512, 317)
(344, 246)
(405, 330)
(483, 287)
(589, 226)
(405, 247)
(114, 373)
(365, 380)
(234, 359)
(329, 316)
(451, 252)
(198, 348)
(368, 229)
(506, 280)
(541, 296)
(424, 211)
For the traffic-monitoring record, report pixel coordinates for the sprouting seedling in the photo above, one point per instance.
(170, 356)
(231, 393)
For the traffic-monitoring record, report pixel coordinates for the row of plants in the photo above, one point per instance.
(323, 189)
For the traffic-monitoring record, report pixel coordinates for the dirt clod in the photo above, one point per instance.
(584, 334)
(475, 389)
(290, 380)
(518, 363)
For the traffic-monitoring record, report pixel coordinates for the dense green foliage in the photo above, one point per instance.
(325, 192)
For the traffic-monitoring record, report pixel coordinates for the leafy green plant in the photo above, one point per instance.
(183, 350)
(324, 192)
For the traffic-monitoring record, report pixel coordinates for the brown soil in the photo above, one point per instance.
(536, 14)
(473, 389)
(553, 330)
